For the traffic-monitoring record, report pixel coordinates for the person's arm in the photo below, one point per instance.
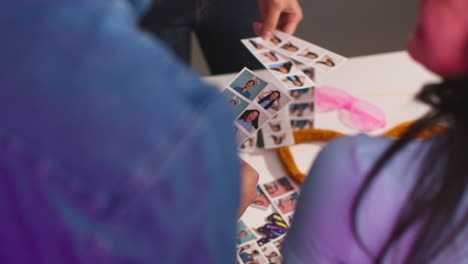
(321, 232)
(284, 15)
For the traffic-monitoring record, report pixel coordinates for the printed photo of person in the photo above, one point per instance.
(330, 62)
(235, 102)
(278, 139)
(294, 81)
(302, 94)
(327, 61)
(302, 124)
(290, 47)
(301, 109)
(287, 204)
(257, 44)
(298, 109)
(247, 84)
(270, 99)
(249, 120)
(298, 80)
(275, 40)
(250, 254)
(285, 184)
(309, 54)
(275, 126)
(278, 187)
(283, 67)
(269, 56)
(240, 135)
(272, 254)
(310, 72)
(261, 201)
(249, 143)
(244, 234)
(252, 118)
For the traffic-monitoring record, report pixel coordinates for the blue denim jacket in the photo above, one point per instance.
(111, 151)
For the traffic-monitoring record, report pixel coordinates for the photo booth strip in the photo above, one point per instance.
(270, 234)
(282, 189)
(249, 145)
(255, 102)
(277, 132)
(281, 67)
(272, 253)
(244, 234)
(251, 253)
(285, 137)
(294, 77)
(261, 200)
(305, 52)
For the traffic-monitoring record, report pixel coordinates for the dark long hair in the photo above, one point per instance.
(246, 113)
(437, 196)
(267, 97)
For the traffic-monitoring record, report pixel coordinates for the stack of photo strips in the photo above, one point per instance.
(292, 63)
(262, 244)
(254, 102)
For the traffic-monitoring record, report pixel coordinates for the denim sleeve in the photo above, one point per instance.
(128, 154)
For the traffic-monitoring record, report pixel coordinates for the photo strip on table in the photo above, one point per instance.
(244, 233)
(283, 194)
(272, 254)
(251, 253)
(301, 109)
(261, 201)
(276, 200)
(254, 102)
(301, 124)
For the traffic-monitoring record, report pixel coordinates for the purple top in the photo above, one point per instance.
(321, 232)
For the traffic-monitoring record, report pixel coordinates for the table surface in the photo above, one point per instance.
(388, 80)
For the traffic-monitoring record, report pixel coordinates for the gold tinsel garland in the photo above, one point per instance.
(311, 135)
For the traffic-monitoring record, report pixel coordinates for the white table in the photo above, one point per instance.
(388, 80)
